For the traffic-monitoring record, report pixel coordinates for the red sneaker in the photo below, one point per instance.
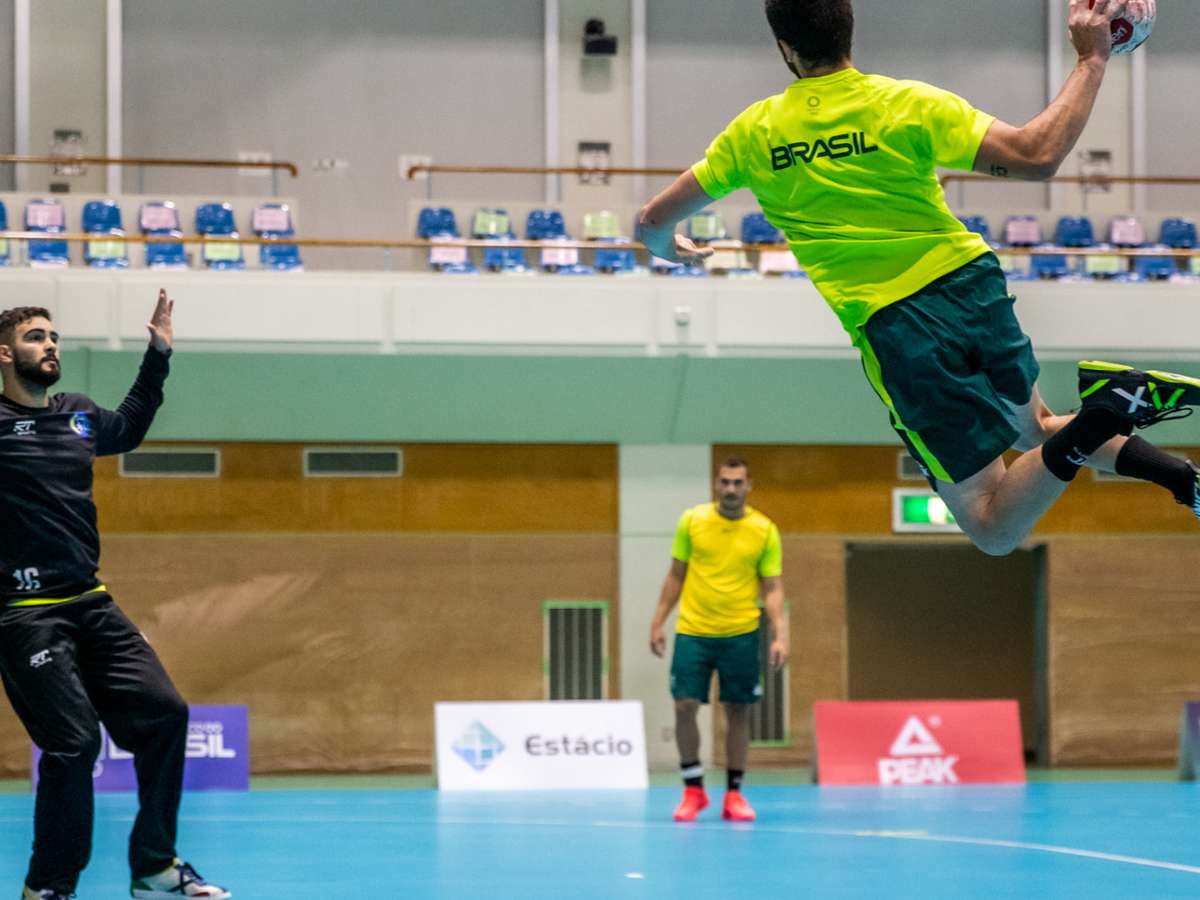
(736, 808)
(694, 800)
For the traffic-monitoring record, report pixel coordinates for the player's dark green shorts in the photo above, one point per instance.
(734, 659)
(952, 364)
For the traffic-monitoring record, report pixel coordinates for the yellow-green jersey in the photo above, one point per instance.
(726, 559)
(844, 165)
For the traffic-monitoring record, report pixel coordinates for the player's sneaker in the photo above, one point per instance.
(694, 800)
(736, 809)
(1140, 399)
(181, 880)
(28, 893)
(1195, 488)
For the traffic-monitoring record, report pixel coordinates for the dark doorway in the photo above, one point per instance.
(944, 621)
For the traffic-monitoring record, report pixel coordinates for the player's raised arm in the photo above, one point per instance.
(162, 332)
(1037, 149)
(658, 218)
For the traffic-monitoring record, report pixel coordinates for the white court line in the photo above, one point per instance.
(773, 829)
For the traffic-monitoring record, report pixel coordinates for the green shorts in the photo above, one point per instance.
(952, 365)
(735, 660)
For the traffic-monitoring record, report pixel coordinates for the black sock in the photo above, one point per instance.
(693, 773)
(733, 779)
(1142, 460)
(1068, 450)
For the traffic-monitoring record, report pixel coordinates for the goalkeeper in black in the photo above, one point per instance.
(69, 658)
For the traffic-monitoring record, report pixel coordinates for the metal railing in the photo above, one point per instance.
(142, 163)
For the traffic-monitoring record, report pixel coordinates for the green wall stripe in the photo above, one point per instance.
(697, 400)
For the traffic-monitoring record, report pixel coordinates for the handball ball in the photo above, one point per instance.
(1126, 35)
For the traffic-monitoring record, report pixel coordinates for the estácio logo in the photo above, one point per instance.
(565, 745)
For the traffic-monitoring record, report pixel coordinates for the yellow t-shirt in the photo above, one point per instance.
(726, 558)
(844, 165)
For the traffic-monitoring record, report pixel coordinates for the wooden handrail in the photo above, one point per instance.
(422, 244)
(420, 168)
(956, 178)
(288, 167)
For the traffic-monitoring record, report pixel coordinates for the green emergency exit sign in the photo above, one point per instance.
(915, 510)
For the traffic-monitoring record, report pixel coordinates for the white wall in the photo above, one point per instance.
(1174, 115)
(362, 80)
(657, 483)
(7, 123)
(595, 97)
(67, 85)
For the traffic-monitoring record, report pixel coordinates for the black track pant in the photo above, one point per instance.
(66, 669)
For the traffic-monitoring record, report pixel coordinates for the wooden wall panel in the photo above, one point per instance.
(465, 488)
(1124, 627)
(341, 644)
(847, 491)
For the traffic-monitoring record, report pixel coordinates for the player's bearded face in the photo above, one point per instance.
(37, 364)
(732, 487)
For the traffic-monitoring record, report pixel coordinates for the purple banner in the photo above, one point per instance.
(218, 754)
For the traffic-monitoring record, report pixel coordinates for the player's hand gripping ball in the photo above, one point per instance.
(1130, 30)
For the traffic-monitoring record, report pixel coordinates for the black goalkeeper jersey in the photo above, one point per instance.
(49, 543)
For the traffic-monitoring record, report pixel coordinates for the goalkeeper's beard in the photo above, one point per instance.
(36, 373)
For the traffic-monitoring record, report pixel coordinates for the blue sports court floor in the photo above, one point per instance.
(1044, 840)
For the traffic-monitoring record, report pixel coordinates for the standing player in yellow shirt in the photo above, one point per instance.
(844, 164)
(724, 553)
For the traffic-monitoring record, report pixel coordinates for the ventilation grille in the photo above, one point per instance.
(171, 462)
(769, 717)
(576, 636)
(353, 462)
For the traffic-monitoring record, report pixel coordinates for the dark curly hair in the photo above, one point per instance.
(820, 31)
(11, 318)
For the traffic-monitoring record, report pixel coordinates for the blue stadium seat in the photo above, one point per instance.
(604, 227)
(493, 224)
(757, 230)
(548, 225)
(1049, 266)
(1154, 268)
(545, 225)
(1179, 234)
(979, 225)
(103, 217)
(274, 220)
(437, 223)
(160, 218)
(1074, 231)
(614, 260)
(47, 216)
(215, 221)
(5, 255)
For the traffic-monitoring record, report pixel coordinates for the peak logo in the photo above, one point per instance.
(839, 146)
(917, 757)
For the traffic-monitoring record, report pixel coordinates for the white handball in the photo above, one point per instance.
(1130, 30)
